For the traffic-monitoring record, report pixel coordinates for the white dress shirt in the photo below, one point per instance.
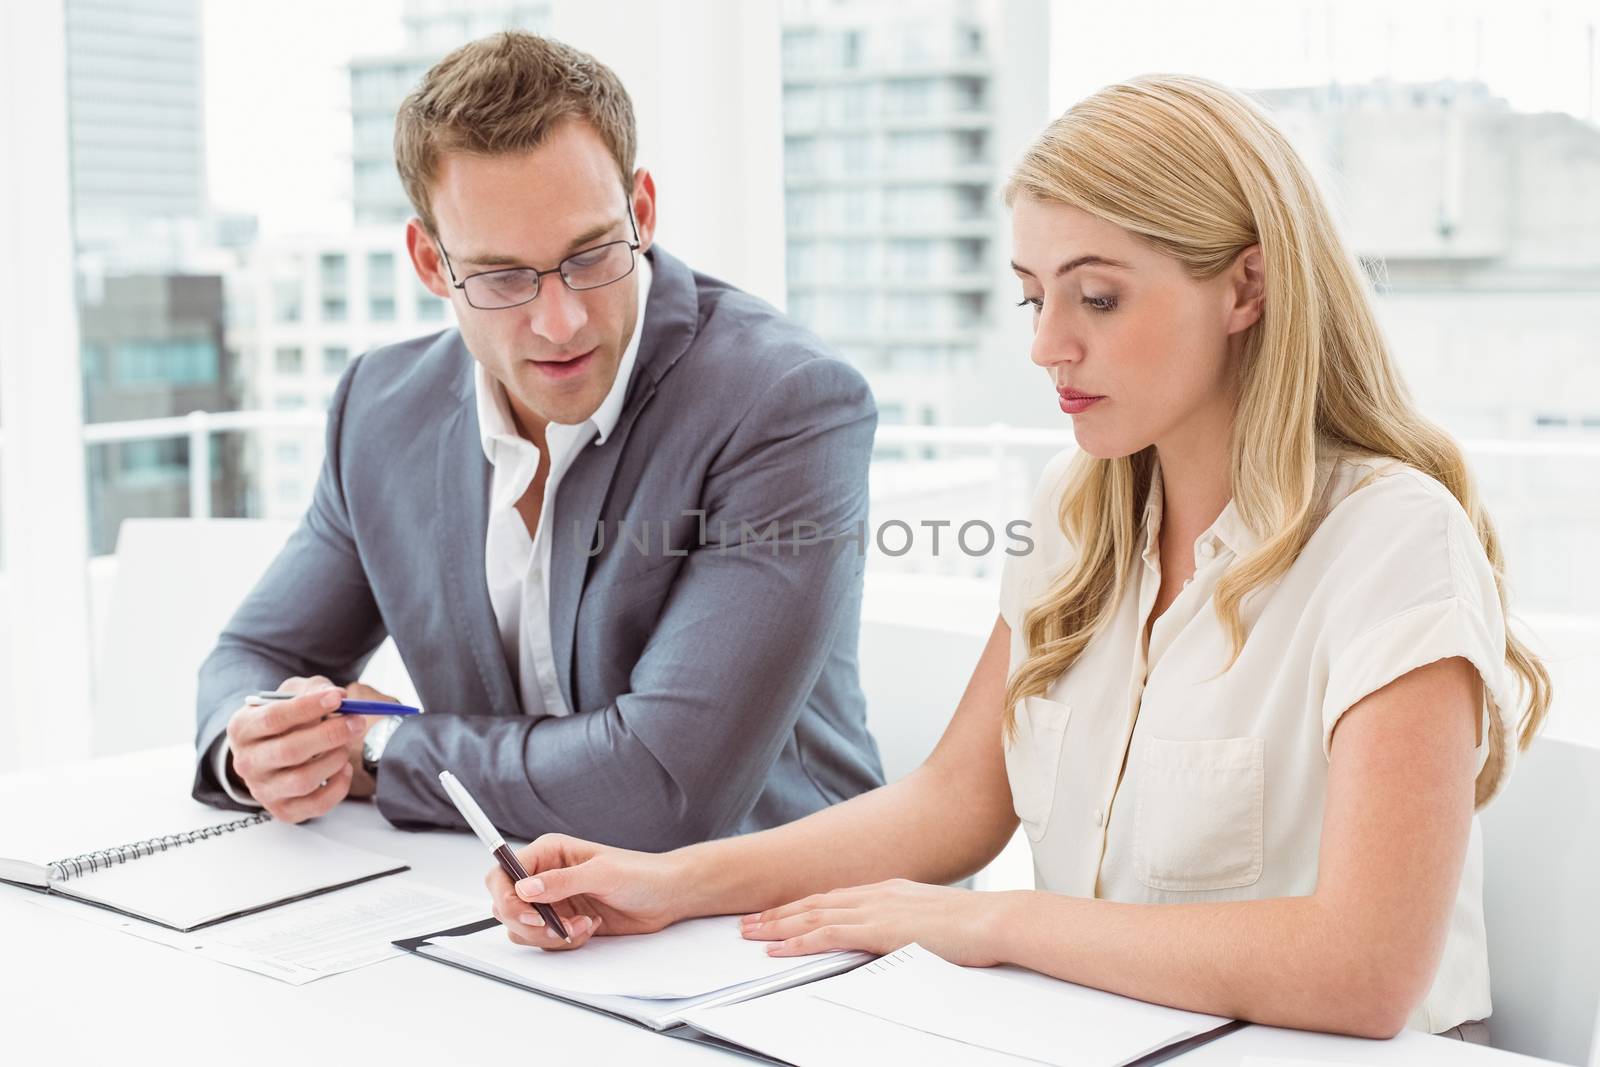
(516, 566)
(1147, 774)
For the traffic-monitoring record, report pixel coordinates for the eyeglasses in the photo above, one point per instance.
(591, 268)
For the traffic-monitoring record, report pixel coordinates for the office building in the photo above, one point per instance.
(151, 346)
(900, 121)
(136, 121)
(308, 306)
(378, 84)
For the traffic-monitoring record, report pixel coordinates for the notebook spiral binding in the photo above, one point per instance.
(62, 870)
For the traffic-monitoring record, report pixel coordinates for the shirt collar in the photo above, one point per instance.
(1229, 528)
(494, 411)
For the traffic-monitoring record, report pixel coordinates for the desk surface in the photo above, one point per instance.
(78, 992)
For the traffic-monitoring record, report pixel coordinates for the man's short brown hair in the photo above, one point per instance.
(503, 94)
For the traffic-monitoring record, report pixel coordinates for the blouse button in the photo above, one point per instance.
(1099, 817)
(1207, 549)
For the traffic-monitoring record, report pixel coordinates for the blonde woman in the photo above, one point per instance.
(1250, 686)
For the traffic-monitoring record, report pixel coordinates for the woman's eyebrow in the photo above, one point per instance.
(1074, 264)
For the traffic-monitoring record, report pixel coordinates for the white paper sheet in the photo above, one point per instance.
(309, 939)
(1011, 1010)
(804, 1030)
(685, 960)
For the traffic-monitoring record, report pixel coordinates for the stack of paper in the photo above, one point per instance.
(935, 1012)
(651, 979)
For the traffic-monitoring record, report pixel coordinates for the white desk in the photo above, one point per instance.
(77, 992)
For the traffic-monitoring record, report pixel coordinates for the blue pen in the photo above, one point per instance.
(348, 707)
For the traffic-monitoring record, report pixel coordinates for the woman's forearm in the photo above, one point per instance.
(1290, 961)
(920, 827)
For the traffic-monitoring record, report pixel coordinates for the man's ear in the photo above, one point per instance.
(425, 259)
(644, 207)
(1247, 289)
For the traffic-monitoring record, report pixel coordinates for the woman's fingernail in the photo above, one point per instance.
(331, 699)
(530, 887)
(532, 918)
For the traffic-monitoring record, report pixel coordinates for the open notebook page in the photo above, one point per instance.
(247, 869)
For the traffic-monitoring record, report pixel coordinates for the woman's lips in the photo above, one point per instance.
(1074, 402)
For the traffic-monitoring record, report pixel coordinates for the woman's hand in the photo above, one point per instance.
(594, 888)
(955, 924)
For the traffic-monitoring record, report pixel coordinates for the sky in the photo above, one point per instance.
(277, 91)
(1537, 54)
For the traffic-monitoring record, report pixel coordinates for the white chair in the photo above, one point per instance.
(177, 582)
(921, 636)
(1542, 904)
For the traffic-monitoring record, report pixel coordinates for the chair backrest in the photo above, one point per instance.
(921, 636)
(177, 583)
(1542, 904)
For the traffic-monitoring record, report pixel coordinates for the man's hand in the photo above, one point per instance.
(295, 756)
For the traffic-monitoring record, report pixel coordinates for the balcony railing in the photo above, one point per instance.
(997, 440)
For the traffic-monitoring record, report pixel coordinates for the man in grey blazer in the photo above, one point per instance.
(614, 522)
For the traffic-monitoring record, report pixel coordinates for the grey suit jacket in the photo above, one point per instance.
(711, 668)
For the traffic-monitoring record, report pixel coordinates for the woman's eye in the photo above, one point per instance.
(1101, 303)
(1037, 303)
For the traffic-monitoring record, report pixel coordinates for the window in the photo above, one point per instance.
(288, 360)
(286, 299)
(335, 358)
(910, 259)
(430, 308)
(852, 260)
(918, 151)
(332, 272)
(380, 273)
(800, 156)
(802, 261)
(905, 98)
(854, 154)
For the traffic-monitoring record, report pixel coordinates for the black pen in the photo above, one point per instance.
(495, 843)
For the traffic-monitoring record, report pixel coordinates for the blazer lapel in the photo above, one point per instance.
(670, 322)
(462, 522)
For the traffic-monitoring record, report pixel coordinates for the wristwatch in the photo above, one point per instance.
(376, 741)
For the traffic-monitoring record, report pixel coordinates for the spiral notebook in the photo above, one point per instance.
(223, 866)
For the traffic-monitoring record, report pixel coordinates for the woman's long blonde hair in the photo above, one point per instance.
(1201, 174)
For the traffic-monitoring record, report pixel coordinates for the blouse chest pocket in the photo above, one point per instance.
(1033, 756)
(1198, 821)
